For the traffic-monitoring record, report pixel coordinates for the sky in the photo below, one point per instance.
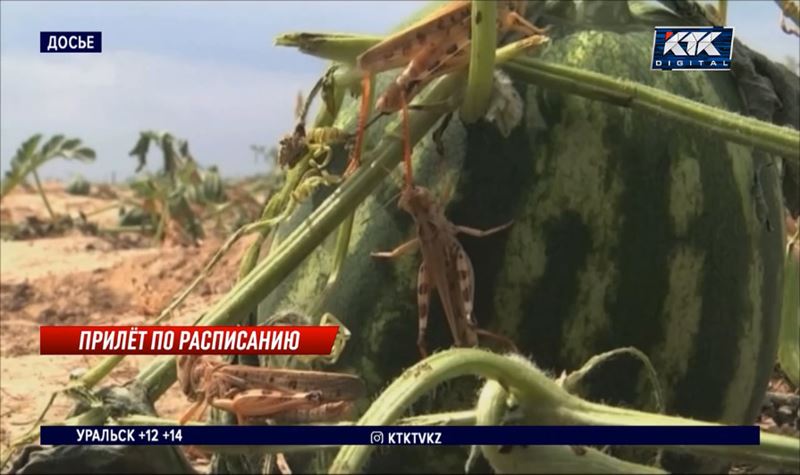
(205, 71)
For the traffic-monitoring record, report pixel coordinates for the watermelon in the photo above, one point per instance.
(212, 189)
(629, 230)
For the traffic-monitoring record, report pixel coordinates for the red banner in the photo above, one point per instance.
(174, 340)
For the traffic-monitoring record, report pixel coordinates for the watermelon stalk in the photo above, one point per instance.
(491, 408)
(574, 381)
(543, 402)
(481, 61)
(783, 141)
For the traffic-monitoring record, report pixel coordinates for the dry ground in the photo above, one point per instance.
(84, 280)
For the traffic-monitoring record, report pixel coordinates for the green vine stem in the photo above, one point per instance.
(543, 459)
(275, 210)
(773, 450)
(489, 410)
(731, 126)
(40, 189)
(573, 381)
(542, 401)
(481, 61)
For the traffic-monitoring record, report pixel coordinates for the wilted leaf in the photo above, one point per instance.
(140, 151)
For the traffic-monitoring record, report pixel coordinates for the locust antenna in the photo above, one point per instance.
(303, 113)
(383, 205)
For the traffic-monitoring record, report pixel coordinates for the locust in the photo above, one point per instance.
(313, 146)
(270, 395)
(267, 393)
(431, 47)
(790, 8)
(445, 267)
(316, 141)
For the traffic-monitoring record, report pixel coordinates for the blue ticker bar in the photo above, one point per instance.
(400, 435)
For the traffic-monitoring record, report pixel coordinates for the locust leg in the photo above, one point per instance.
(194, 412)
(483, 233)
(464, 289)
(516, 22)
(500, 338)
(366, 89)
(399, 250)
(423, 301)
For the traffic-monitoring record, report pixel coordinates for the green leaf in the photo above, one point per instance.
(53, 145)
(28, 147)
(28, 159)
(71, 144)
(85, 154)
(481, 65)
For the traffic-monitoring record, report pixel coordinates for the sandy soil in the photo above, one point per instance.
(77, 279)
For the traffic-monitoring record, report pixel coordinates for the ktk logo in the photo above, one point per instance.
(686, 48)
(696, 43)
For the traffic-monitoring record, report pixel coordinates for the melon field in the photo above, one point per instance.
(597, 243)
